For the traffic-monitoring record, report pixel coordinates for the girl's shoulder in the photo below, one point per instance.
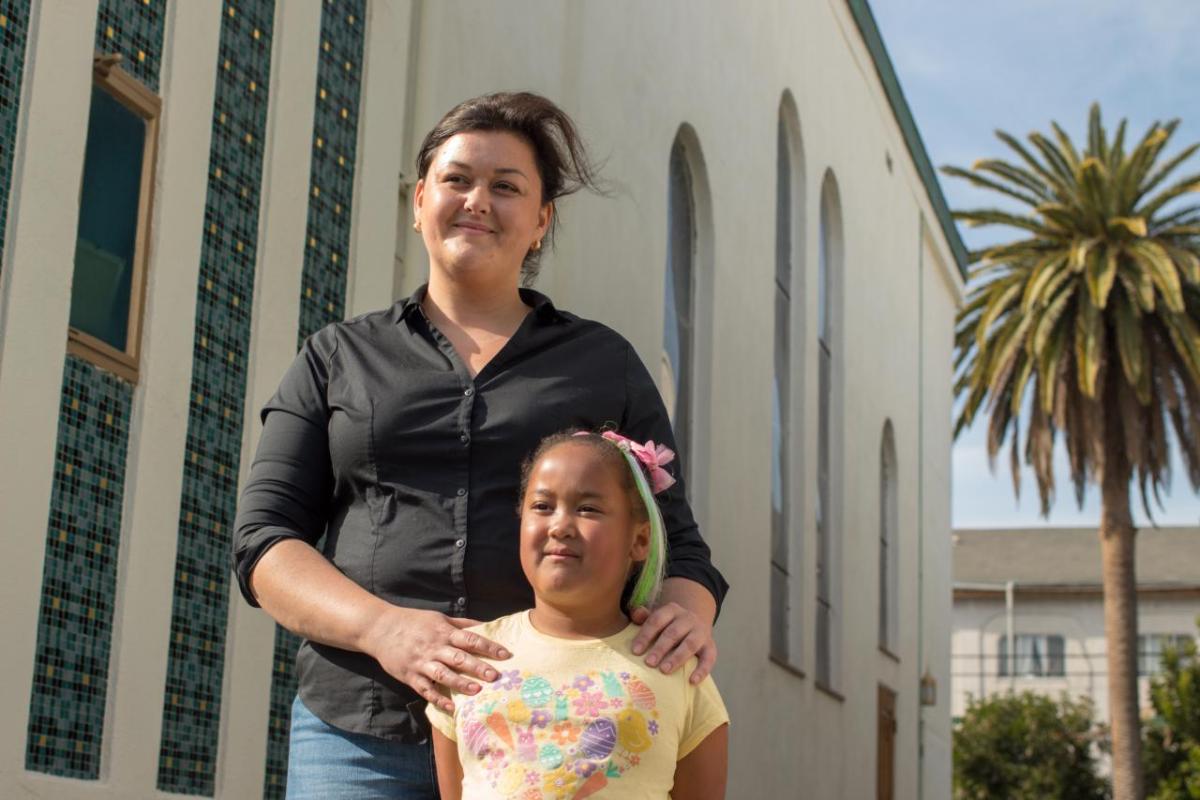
(502, 630)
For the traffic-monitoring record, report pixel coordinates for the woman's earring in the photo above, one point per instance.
(417, 225)
(536, 245)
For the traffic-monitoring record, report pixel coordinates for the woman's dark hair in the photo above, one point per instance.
(562, 161)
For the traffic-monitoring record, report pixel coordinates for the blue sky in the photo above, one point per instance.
(968, 68)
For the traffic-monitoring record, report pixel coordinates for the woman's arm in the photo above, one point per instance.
(701, 774)
(309, 596)
(449, 768)
(283, 512)
(680, 625)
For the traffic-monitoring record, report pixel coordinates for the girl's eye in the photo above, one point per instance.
(590, 510)
(539, 505)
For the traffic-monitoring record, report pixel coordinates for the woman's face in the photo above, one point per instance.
(479, 205)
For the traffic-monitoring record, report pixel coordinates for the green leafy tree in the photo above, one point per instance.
(1027, 747)
(1085, 326)
(1172, 737)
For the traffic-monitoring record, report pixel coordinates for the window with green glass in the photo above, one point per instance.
(114, 218)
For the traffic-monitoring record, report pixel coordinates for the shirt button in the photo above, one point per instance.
(461, 602)
(460, 543)
(468, 392)
(464, 438)
(461, 492)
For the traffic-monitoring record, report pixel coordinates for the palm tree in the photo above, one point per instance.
(1086, 326)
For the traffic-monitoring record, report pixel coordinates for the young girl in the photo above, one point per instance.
(574, 713)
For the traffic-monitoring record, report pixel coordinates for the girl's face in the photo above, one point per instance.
(479, 205)
(578, 533)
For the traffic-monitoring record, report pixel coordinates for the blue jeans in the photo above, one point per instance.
(327, 763)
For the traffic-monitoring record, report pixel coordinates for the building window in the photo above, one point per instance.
(679, 304)
(1151, 646)
(1037, 656)
(889, 616)
(781, 446)
(115, 199)
(828, 350)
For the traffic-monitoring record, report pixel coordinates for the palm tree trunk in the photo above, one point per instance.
(1117, 548)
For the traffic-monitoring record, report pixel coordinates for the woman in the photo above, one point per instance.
(398, 436)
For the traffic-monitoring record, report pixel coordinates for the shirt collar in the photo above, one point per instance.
(542, 306)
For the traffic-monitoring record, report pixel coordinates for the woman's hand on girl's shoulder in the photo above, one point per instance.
(428, 651)
(670, 635)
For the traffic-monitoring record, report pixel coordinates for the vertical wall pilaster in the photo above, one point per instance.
(248, 718)
(39, 259)
(159, 426)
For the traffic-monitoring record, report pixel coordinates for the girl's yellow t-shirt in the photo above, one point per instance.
(576, 718)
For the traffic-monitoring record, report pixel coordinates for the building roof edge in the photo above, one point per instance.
(865, 20)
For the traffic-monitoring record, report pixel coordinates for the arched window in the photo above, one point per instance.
(786, 543)
(679, 303)
(889, 616)
(829, 268)
(688, 311)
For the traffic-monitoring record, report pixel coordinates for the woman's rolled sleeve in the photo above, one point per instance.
(291, 480)
(646, 418)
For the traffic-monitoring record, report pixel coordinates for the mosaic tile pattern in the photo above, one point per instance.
(14, 28)
(323, 285)
(70, 679)
(195, 661)
(283, 691)
(79, 582)
(133, 28)
(331, 186)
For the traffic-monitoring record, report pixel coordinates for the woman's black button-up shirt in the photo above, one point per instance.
(379, 439)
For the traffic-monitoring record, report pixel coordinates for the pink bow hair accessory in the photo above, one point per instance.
(652, 456)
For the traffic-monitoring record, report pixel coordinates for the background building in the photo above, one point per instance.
(174, 222)
(1056, 608)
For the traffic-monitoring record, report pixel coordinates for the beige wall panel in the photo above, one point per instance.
(283, 219)
(159, 426)
(386, 94)
(44, 214)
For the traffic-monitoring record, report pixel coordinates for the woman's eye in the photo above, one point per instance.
(590, 510)
(455, 179)
(506, 187)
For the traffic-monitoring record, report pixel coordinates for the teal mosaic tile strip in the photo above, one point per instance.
(14, 30)
(79, 582)
(225, 293)
(331, 186)
(323, 284)
(134, 29)
(279, 725)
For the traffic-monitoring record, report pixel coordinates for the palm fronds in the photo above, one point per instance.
(1086, 324)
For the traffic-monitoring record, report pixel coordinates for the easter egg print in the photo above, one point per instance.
(598, 739)
(536, 691)
(641, 694)
(550, 757)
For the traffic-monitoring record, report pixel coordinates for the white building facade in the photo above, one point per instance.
(775, 239)
(1029, 611)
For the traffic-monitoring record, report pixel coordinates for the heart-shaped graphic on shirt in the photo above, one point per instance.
(541, 741)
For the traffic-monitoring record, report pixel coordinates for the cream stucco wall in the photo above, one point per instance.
(630, 74)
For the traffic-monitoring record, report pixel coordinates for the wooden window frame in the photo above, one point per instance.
(127, 90)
